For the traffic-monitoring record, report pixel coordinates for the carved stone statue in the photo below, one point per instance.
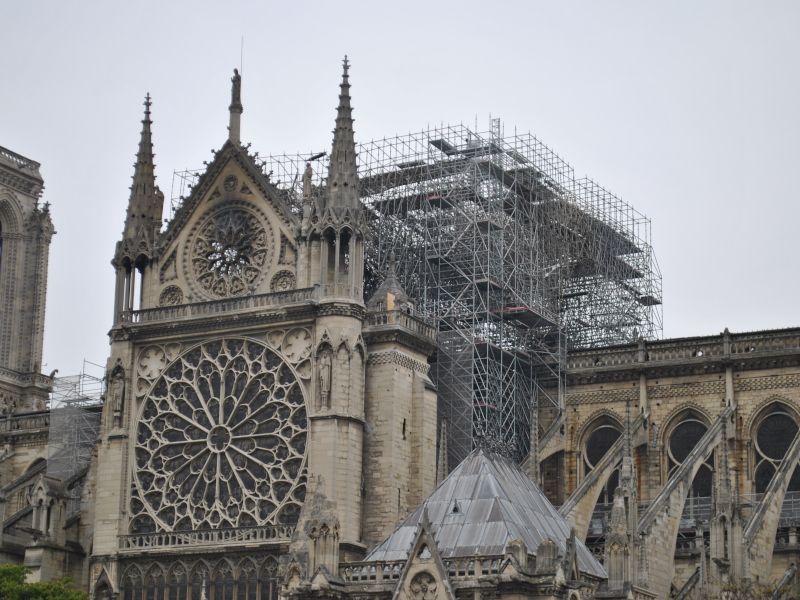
(117, 394)
(236, 88)
(423, 586)
(325, 378)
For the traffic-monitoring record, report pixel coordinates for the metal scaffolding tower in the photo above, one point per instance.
(512, 257)
(75, 405)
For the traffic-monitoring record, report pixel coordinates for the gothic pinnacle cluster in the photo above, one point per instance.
(146, 200)
(343, 172)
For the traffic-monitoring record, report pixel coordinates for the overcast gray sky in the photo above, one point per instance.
(690, 111)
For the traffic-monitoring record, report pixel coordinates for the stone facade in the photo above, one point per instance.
(724, 390)
(25, 233)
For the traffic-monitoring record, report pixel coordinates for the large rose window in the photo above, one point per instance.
(229, 252)
(221, 442)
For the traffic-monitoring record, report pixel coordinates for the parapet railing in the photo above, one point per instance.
(214, 307)
(406, 320)
(726, 345)
(18, 160)
(25, 422)
(207, 537)
(26, 378)
(390, 570)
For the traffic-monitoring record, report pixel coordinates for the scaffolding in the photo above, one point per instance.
(75, 408)
(513, 258)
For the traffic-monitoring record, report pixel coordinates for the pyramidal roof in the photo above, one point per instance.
(486, 502)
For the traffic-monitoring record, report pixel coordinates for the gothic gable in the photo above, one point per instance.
(234, 235)
(424, 576)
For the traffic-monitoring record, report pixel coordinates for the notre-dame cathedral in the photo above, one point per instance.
(271, 426)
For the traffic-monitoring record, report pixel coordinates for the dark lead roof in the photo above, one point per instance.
(486, 502)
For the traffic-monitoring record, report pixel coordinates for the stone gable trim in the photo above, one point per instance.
(398, 358)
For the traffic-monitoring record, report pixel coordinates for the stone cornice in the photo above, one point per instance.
(398, 358)
(686, 356)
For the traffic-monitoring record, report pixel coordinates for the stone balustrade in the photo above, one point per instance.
(25, 422)
(408, 321)
(18, 161)
(725, 345)
(215, 307)
(457, 568)
(279, 534)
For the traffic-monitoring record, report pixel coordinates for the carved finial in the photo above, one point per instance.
(392, 264)
(345, 65)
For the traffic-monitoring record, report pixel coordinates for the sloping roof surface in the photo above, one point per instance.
(483, 504)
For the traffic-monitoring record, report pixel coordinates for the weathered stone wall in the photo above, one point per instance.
(666, 380)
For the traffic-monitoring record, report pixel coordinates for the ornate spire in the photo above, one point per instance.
(342, 173)
(146, 200)
(235, 108)
(144, 170)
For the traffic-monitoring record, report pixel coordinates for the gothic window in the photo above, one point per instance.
(248, 582)
(220, 442)
(226, 579)
(229, 252)
(177, 583)
(154, 584)
(774, 433)
(132, 584)
(199, 582)
(223, 582)
(269, 583)
(599, 441)
(681, 441)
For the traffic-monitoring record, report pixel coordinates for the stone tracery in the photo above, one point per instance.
(229, 252)
(220, 442)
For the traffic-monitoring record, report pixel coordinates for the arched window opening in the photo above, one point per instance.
(344, 254)
(154, 585)
(102, 592)
(177, 584)
(223, 583)
(132, 585)
(328, 258)
(774, 433)
(269, 584)
(682, 440)
(598, 443)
